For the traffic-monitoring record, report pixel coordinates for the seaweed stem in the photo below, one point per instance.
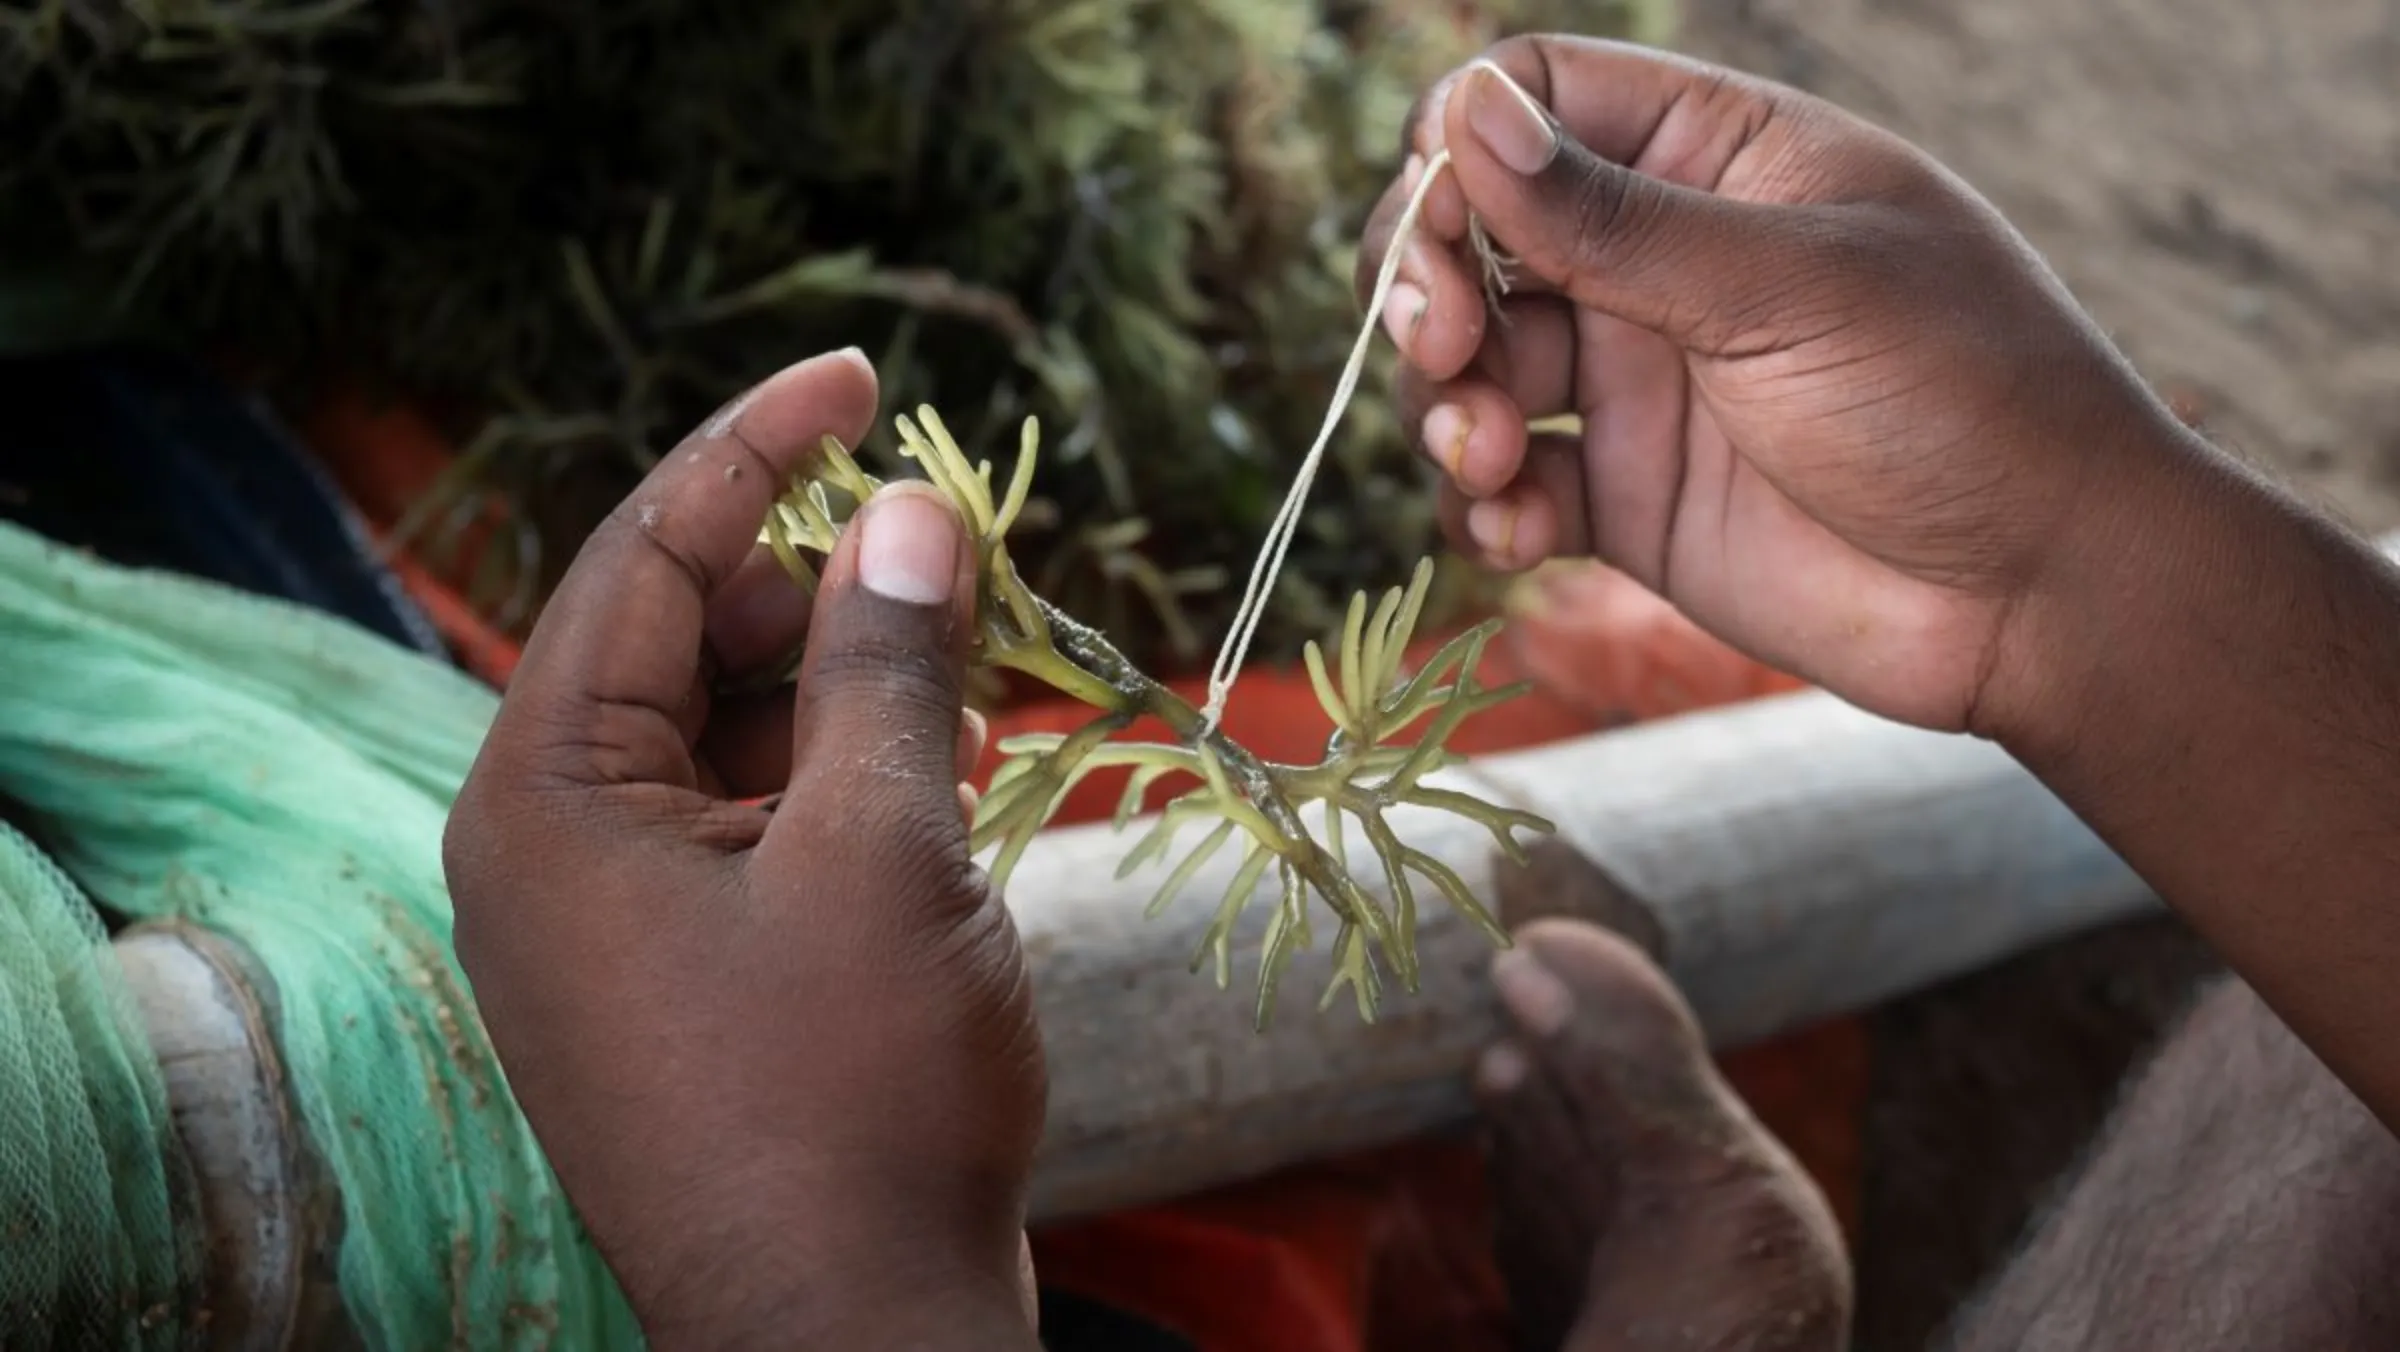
(1367, 696)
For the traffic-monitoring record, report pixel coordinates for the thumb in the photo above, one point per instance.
(1669, 258)
(880, 687)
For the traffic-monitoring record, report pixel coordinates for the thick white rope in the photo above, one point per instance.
(1269, 564)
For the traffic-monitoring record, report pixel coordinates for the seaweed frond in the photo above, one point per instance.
(1259, 807)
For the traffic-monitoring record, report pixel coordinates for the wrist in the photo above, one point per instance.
(2211, 694)
(2171, 538)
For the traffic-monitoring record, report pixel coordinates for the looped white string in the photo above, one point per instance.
(1269, 564)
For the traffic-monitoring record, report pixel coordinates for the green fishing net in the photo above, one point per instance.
(281, 778)
(98, 1246)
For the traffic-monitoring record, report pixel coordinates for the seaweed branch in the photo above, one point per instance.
(1364, 774)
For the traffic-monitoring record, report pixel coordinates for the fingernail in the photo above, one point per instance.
(1403, 311)
(908, 545)
(1507, 120)
(1494, 527)
(1446, 431)
(1539, 1002)
(973, 733)
(1501, 1069)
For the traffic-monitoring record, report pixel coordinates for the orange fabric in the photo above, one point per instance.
(489, 654)
(1600, 642)
(1278, 1282)
(388, 457)
(1809, 1087)
(1389, 1249)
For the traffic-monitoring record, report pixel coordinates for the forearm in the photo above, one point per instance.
(2214, 685)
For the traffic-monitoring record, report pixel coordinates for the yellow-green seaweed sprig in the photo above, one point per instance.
(1365, 690)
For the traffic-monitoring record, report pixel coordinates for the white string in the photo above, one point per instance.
(1269, 564)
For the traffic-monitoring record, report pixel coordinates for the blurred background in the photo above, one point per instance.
(376, 305)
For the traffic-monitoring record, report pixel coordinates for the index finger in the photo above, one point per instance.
(1435, 312)
(1614, 97)
(616, 654)
(1661, 114)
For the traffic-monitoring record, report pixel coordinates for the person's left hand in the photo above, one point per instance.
(782, 1057)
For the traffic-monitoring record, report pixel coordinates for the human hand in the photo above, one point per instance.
(783, 1058)
(1833, 407)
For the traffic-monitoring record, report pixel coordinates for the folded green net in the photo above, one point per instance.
(278, 777)
(98, 1231)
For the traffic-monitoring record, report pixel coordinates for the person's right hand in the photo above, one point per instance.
(1833, 406)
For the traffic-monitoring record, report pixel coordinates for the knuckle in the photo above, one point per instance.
(907, 677)
(931, 846)
(1865, 257)
(600, 741)
(1726, 100)
(639, 526)
(639, 519)
(1602, 202)
(1524, 54)
(1821, 271)
(902, 830)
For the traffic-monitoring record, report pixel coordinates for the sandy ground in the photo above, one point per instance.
(2219, 181)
